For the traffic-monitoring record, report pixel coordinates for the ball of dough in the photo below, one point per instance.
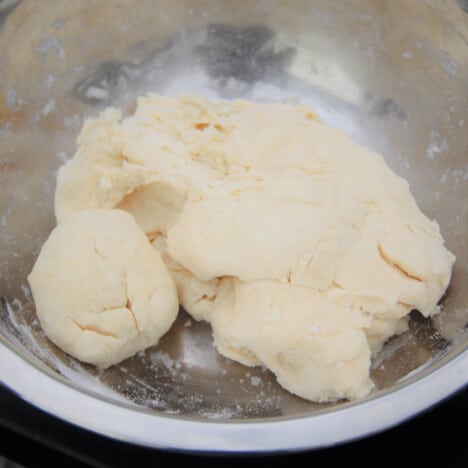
(302, 249)
(102, 292)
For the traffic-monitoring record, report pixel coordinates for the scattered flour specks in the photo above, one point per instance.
(11, 98)
(48, 82)
(435, 147)
(26, 291)
(48, 44)
(49, 107)
(255, 381)
(161, 357)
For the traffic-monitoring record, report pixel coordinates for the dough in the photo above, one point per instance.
(303, 250)
(102, 293)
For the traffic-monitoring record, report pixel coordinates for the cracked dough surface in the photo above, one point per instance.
(303, 250)
(102, 293)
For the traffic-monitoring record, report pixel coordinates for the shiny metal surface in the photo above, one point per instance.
(393, 74)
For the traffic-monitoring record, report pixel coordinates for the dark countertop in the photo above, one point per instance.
(34, 438)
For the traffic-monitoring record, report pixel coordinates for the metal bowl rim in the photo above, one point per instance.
(331, 426)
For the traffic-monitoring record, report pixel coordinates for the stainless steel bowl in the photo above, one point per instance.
(393, 74)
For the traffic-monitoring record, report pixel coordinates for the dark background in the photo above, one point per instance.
(32, 438)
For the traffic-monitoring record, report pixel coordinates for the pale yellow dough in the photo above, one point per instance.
(303, 250)
(102, 293)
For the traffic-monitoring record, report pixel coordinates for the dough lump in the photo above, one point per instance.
(303, 250)
(102, 292)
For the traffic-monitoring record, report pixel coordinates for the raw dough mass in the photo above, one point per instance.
(102, 293)
(303, 250)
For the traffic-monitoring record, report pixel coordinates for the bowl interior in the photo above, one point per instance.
(393, 75)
